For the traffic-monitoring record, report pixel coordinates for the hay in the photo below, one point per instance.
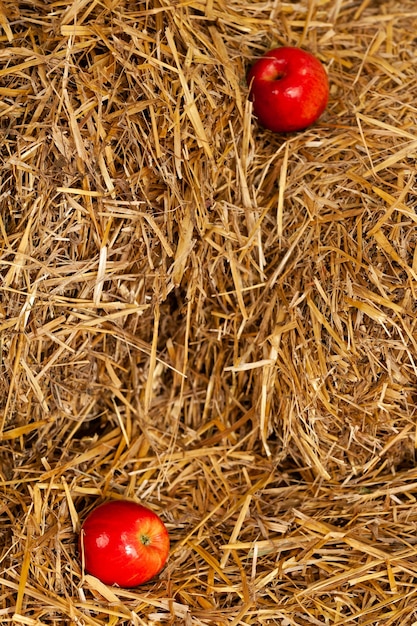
(206, 317)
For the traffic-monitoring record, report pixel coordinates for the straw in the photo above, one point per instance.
(206, 317)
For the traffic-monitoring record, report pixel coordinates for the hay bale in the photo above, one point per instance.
(205, 316)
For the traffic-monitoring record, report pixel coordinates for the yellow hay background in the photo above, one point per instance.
(206, 317)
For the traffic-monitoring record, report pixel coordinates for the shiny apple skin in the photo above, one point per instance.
(289, 88)
(123, 543)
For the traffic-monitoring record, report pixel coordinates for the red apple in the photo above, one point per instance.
(123, 543)
(289, 89)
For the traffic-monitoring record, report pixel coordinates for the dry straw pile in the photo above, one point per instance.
(207, 317)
